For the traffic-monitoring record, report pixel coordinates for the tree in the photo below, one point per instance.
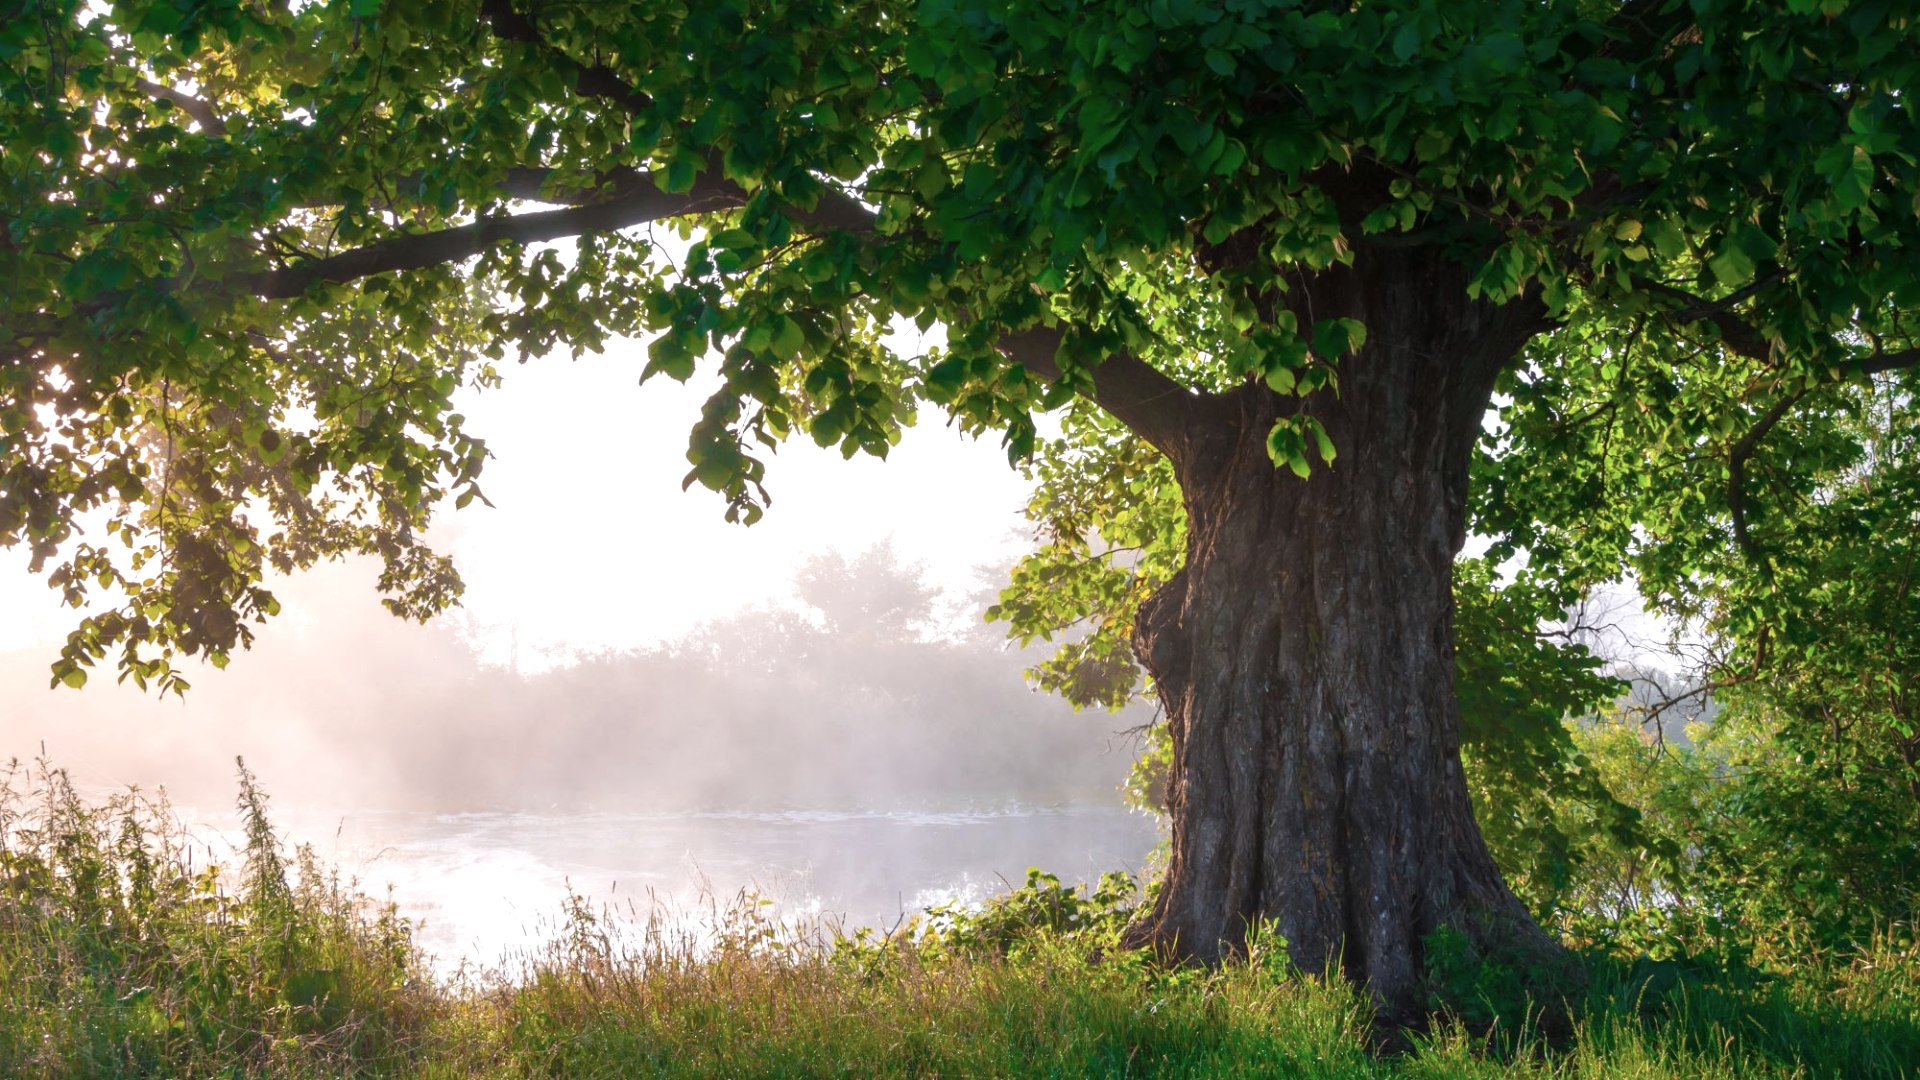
(1276, 257)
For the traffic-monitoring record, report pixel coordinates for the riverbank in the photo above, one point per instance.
(119, 956)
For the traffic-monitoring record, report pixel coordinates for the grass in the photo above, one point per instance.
(120, 957)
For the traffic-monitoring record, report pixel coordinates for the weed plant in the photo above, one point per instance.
(120, 955)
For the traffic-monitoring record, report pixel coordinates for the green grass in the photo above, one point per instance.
(120, 957)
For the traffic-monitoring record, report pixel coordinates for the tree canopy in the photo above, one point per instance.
(253, 248)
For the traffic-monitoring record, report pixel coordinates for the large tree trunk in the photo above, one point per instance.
(1305, 657)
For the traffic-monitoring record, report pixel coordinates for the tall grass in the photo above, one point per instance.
(120, 955)
(123, 955)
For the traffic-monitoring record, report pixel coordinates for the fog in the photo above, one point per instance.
(868, 689)
(840, 732)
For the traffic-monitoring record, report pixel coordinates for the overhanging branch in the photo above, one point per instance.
(1882, 363)
(637, 202)
(1147, 400)
(1743, 451)
(1138, 394)
(617, 200)
(199, 109)
(1152, 404)
(1741, 337)
(589, 80)
(1737, 333)
(1737, 474)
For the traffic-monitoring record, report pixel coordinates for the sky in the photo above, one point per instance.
(591, 544)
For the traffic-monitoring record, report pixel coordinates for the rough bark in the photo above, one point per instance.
(1305, 658)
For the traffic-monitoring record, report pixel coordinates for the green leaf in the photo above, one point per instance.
(1667, 238)
(669, 355)
(789, 340)
(945, 378)
(1731, 266)
(1334, 338)
(1286, 446)
(1851, 174)
(1406, 41)
(1232, 156)
(677, 177)
(931, 179)
(1321, 439)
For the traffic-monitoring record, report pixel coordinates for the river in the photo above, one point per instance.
(490, 888)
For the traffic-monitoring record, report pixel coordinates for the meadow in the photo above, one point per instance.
(122, 954)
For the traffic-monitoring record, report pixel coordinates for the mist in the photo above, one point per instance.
(867, 688)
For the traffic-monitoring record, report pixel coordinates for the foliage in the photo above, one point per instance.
(1111, 530)
(1752, 853)
(1042, 910)
(1519, 684)
(254, 249)
(1785, 825)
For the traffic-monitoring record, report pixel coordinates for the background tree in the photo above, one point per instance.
(1790, 819)
(1294, 249)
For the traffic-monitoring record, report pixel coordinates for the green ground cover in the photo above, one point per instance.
(119, 956)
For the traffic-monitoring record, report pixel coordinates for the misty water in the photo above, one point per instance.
(842, 756)
(489, 886)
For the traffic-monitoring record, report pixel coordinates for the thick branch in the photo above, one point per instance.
(1151, 403)
(1881, 363)
(1740, 336)
(1138, 394)
(589, 80)
(618, 200)
(201, 111)
(1737, 474)
(1742, 451)
(1737, 333)
(834, 211)
(1145, 399)
(637, 202)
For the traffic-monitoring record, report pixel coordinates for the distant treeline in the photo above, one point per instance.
(861, 695)
(850, 702)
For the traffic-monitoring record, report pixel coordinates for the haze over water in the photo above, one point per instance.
(856, 756)
(489, 886)
(636, 695)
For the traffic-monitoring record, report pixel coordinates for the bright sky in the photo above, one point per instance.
(593, 545)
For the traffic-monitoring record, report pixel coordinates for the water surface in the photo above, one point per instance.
(487, 886)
